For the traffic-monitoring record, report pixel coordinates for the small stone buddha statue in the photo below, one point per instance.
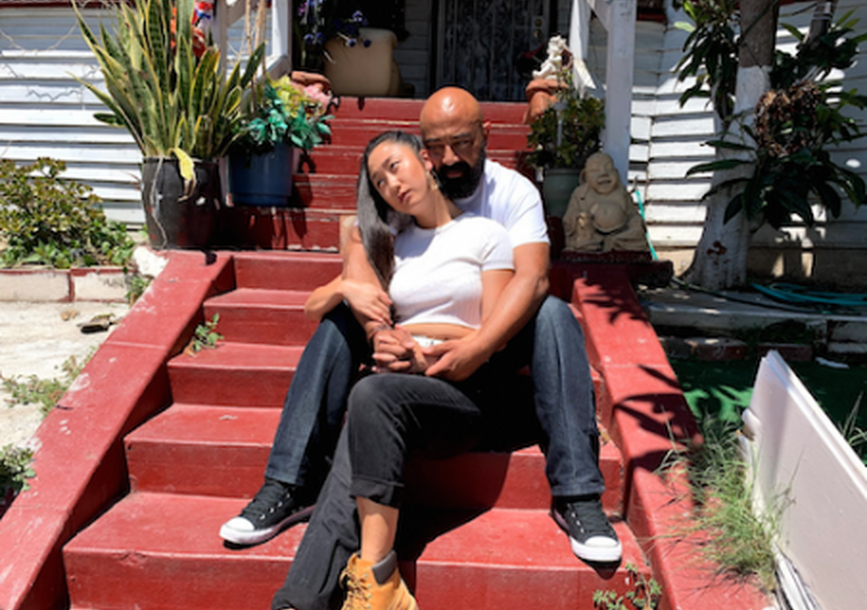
(601, 216)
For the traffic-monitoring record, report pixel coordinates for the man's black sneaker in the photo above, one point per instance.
(275, 507)
(592, 537)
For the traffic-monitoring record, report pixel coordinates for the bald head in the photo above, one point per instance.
(449, 106)
(455, 137)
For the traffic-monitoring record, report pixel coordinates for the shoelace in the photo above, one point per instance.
(591, 521)
(271, 495)
(357, 591)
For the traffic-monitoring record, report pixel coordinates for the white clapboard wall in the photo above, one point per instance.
(44, 112)
(675, 212)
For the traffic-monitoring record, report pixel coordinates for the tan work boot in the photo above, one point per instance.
(375, 587)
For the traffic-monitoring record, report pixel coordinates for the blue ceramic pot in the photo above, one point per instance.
(262, 180)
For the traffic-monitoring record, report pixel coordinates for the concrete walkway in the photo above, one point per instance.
(36, 339)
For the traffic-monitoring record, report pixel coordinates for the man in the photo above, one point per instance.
(535, 329)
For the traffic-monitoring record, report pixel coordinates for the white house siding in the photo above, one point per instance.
(44, 112)
(674, 211)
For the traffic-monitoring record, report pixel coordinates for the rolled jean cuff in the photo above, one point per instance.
(381, 492)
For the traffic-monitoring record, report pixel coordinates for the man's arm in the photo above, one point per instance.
(518, 302)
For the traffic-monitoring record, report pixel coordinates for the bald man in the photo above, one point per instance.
(536, 330)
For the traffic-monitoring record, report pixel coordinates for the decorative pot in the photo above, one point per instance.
(263, 179)
(557, 188)
(365, 69)
(179, 215)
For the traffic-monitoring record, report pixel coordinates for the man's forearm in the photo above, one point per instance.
(517, 304)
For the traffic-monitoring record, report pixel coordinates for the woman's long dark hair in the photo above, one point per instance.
(376, 219)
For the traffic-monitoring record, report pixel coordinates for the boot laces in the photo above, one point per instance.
(357, 591)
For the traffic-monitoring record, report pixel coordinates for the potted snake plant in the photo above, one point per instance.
(165, 85)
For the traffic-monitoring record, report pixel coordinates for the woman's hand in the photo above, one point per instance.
(395, 351)
(368, 300)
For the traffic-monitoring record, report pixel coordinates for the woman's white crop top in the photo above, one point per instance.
(437, 272)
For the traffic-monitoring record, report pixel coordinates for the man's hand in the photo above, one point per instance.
(395, 351)
(369, 300)
(457, 359)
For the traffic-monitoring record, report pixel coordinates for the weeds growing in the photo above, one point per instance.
(645, 594)
(740, 535)
(44, 392)
(15, 469)
(205, 336)
(855, 435)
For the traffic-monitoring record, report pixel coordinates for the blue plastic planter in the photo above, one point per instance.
(262, 180)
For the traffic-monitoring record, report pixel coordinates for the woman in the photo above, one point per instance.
(443, 271)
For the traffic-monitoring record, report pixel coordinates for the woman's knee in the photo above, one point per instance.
(371, 403)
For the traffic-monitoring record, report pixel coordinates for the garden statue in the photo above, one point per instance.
(601, 216)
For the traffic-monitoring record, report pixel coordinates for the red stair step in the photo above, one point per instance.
(326, 192)
(289, 270)
(162, 551)
(176, 452)
(256, 315)
(515, 559)
(354, 133)
(156, 551)
(236, 374)
(345, 160)
(409, 110)
(282, 228)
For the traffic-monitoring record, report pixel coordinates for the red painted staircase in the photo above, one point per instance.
(195, 464)
(152, 450)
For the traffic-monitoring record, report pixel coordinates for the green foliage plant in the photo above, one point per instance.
(279, 112)
(794, 125)
(136, 286)
(711, 53)
(578, 118)
(165, 84)
(855, 435)
(645, 594)
(739, 536)
(44, 392)
(205, 336)
(48, 220)
(15, 469)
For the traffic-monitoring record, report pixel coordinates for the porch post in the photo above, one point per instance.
(281, 33)
(618, 17)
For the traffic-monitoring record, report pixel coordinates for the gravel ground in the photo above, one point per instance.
(36, 339)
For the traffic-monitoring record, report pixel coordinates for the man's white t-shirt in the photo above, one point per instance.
(437, 272)
(512, 200)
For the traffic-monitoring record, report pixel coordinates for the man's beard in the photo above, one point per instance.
(465, 184)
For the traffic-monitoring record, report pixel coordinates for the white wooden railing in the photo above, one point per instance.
(279, 59)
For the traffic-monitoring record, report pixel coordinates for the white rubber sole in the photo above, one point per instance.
(603, 552)
(597, 554)
(230, 532)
